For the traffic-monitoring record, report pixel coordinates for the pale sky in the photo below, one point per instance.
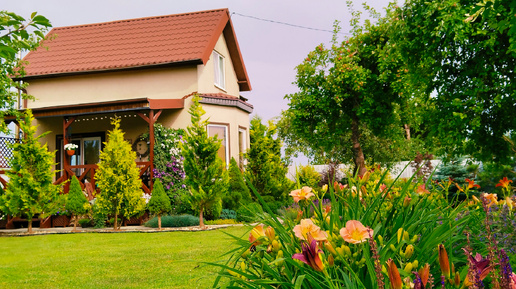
(271, 51)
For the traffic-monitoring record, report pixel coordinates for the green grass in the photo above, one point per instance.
(121, 260)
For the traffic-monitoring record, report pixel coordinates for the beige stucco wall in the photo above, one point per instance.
(169, 83)
(206, 73)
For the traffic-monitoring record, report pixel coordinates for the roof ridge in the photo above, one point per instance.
(139, 19)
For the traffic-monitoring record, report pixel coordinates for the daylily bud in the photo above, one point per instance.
(415, 264)
(408, 267)
(270, 233)
(443, 261)
(243, 267)
(402, 254)
(409, 251)
(394, 275)
(340, 251)
(275, 246)
(406, 236)
(400, 234)
(380, 240)
(325, 188)
(456, 280)
(406, 202)
(347, 250)
(414, 238)
(392, 247)
(330, 248)
(331, 261)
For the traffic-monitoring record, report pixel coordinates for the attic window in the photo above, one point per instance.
(218, 64)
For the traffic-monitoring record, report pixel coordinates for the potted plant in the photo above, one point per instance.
(70, 148)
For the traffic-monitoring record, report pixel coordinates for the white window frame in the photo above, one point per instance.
(225, 140)
(242, 131)
(219, 70)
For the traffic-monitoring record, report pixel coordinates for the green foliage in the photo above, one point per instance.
(249, 213)
(465, 63)
(205, 174)
(85, 223)
(238, 192)
(76, 202)
(159, 202)
(222, 222)
(174, 221)
(168, 163)
(30, 189)
(308, 176)
(493, 172)
(118, 178)
(16, 34)
(265, 170)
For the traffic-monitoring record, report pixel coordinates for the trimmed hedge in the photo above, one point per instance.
(174, 221)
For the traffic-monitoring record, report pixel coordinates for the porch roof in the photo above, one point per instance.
(108, 107)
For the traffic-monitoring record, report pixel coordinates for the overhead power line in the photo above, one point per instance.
(287, 24)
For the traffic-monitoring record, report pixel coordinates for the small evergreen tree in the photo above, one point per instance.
(159, 202)
(266, 171)
(118, 178)
(205, 173)
(238, 192)
(76, 202)
(30, 189)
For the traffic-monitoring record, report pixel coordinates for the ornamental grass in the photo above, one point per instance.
(375, 232)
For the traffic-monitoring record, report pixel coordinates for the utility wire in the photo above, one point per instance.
(287, 24)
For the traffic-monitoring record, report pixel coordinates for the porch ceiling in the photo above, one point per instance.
(108, 107)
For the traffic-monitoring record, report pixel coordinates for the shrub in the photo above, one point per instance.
(214, 211)
(159, 202)
(227, 214)
(308, 176)
(85, 223)
(248, 213)
(76, 202)
(238, 191)
(174, 221)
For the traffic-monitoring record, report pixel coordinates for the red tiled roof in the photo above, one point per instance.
(142, 42)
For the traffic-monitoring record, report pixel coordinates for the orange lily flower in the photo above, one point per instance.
(310, 255)
(421, 189)
(304, 193)
(471, 184)
(355, 232)
(256, 233)
(504, 183)
(394, 275)
(492, 198)
(307, 229)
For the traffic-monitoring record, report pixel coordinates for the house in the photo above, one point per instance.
(145, 71)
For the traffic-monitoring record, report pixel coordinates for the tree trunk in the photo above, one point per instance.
(116, 223)
(75, 223)
(159, 222)
(358, 154)
(407, 131)
(29, 229)
(201, 221)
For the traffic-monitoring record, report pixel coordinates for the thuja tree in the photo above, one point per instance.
(30, 190)
(265, 169)
(168, 164)
(76, 202)
(238, 192)
(159, 202)
(205, 174)
(118, 178)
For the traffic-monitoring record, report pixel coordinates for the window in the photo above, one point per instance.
(221, 131)
(242, 146)
(218, 64)
(87, 153)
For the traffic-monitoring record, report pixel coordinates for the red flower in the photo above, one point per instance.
(471, 184)
(310, 255)
(504, 183)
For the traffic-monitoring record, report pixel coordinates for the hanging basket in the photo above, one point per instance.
(70, 152)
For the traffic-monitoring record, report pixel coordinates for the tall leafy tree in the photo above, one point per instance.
(15, 37)
(76, 202)
(118, 178)
(30, 189)
(159, 202)
(266, 170)
(348, 92)
(206, 176)
(238, 193)
(466, 66)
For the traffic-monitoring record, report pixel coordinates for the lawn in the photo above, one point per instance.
(121, 260)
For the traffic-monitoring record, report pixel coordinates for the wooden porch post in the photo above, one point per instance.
(151, 120)
(66, 157)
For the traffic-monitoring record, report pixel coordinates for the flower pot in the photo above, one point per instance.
(70, 152)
